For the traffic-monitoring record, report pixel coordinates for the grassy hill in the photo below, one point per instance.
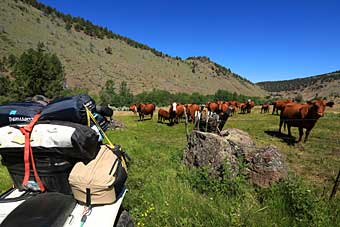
(91, 54)
(325, 85)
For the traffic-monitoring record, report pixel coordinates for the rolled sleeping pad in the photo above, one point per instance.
(104, 111)
(69, 109)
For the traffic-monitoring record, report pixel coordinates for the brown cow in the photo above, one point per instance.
(145, 109)
(249, 105)
(163, 115)
(234, 105)
(191, 109)
(243, 108)
(303, 116)
(212, 106)
(176, 111)
(222, 106)
(133, 108)
(279, 105)
(265, 108)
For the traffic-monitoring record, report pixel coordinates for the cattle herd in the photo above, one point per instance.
(292, 114)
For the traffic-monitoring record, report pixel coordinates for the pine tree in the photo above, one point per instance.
(38, 72)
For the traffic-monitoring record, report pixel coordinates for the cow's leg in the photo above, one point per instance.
(151, 115)
(300, 133)
(281, 122)
(307, 134)
(273, 110)
(289, 132)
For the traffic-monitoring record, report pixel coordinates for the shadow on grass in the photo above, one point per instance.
(145, 119)
(290, 140)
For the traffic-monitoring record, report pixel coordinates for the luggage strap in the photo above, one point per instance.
(28, 154)
(90, 118)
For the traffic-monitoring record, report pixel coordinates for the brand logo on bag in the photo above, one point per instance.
(13, 112)
(20, 119)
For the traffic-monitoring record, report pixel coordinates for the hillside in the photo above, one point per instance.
(91, 57)
(325, 85)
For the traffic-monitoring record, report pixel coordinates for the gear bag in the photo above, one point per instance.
(71, 109)
(18, 112)
(101, 180)
(71, 140)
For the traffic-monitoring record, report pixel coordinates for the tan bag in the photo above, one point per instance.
(102, 179)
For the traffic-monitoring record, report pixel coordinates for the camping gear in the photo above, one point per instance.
(55, 146)
(65, 138)
(70, 109)
(40, 155)
(102, 122)
(19, 112)
(53, 171)
(102, 179)
(104, 111)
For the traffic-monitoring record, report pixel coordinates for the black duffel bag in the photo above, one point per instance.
(69, 109)
(19, 112)
(71, 140)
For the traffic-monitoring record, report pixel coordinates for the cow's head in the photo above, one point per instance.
(133, 108)
(174, 105)
(139, 107)
(318, 107)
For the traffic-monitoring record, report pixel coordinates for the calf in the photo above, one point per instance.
(265, 108)
(303, 116)
(163, 115)
(243, 108)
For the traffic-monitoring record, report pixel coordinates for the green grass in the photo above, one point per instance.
(164, 192)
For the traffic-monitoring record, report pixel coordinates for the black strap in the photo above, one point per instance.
(88, 197)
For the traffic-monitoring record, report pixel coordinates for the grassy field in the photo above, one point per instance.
(164, 192)
(162, 189)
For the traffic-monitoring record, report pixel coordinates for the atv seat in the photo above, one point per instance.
(46, 209)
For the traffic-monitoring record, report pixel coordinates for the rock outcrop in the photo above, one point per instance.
(235, 148)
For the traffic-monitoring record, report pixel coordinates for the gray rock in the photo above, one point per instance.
(235, 147)
(266, 166)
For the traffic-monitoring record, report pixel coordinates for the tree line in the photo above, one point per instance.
(300, 83)
(124, 97)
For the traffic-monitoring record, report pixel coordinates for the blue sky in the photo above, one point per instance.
(258, 39)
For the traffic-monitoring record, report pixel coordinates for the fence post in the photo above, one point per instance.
(335, 187)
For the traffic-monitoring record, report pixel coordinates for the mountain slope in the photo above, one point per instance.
(325, 85)
(90, 60)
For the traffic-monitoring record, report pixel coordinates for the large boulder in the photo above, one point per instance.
(209, 149)
(266, 166)
(235, 147)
